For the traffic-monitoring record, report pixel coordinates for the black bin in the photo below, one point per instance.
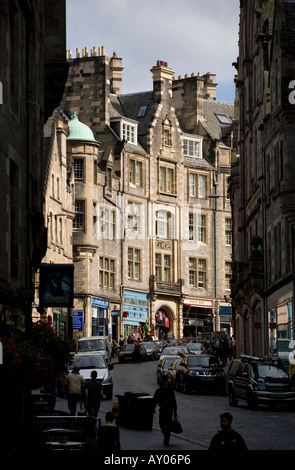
(136, 410)
(145, 412)
(123, 410)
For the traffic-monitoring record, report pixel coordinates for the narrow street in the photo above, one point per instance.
(262, 429)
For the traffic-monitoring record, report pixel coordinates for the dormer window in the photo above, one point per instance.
(192, 147)
(125, 128)
(128, 132)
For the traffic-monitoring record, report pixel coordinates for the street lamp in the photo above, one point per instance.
(215, 196)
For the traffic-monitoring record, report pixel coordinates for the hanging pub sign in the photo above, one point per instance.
(56, 285)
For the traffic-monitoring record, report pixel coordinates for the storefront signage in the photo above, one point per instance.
(136, 304)
(56, 285)
(199, 302)
(115, 313)
(100, 303)
(78, 320)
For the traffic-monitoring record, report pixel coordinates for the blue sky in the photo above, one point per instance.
(191, 35)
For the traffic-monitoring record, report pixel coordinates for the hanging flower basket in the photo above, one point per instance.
(36, 361)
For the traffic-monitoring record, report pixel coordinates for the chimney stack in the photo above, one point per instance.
(210, 86)
(116, 74)
(162, 80)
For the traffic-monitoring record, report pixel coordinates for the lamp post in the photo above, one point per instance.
(215, 196)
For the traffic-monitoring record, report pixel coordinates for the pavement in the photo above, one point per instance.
(144, 440)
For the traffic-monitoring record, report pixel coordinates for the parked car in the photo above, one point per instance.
(153, 351)
(87, 362)
(259, 380)
(171, 373)
(126, 353)
(173, 351)
(160, 343)
(195, 348)
(163, 367)
(173, 342)
(200, 372)
(96, 344)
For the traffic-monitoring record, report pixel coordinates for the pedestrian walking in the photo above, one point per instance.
(94, 394)
(230, 348)
(224, 351)
(74, 389)
(136, 353)
(165, 398)
(227, 438)
(108, 435)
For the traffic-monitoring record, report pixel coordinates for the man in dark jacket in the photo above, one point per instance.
(165, 398)
(227, 438)
(93, 397)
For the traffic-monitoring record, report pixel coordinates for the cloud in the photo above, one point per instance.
(191, 35)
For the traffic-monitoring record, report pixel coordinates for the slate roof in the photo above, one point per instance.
(129, 106)
(211, 123)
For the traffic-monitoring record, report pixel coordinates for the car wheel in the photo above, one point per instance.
(251, 402)
(231, 398)
(186, 387)
(177, 385)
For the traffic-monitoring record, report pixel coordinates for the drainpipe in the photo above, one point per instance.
(264, 227)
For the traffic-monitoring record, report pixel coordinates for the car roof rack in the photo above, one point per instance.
(266, 359)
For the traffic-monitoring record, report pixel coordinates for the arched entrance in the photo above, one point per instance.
(163, 323)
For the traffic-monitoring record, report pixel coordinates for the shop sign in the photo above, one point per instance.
(78, 320)
(100, 303)
(56, 285)
(115, 313)
(198, 302)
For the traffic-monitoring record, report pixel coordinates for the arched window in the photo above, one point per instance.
(167, 132)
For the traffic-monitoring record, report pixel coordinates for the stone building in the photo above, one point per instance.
(262, 183)
(32, 77)
(152, 242)
(59, 213)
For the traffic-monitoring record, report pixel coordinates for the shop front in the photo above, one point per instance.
(280, 327)
(197, 316)
(162, 323)
(135, 313)
(225, 319)
(99, 317)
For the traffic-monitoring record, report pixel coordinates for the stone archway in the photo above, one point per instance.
(164, 321)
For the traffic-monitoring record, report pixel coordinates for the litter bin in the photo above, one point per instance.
(123, 410)
(135, 410)
(144, 412)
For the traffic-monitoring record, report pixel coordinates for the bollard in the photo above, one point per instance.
(115, 408)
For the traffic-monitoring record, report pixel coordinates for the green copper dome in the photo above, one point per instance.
(78, 130)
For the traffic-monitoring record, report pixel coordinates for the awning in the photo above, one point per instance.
(131, 322)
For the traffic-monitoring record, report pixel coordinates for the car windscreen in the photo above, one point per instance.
(148, 346)
(195, 347)
(203, 361)
(91, 345)
(173, 351)
(167, 363)
(95, 361)
(264, 371)
(128, 347)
